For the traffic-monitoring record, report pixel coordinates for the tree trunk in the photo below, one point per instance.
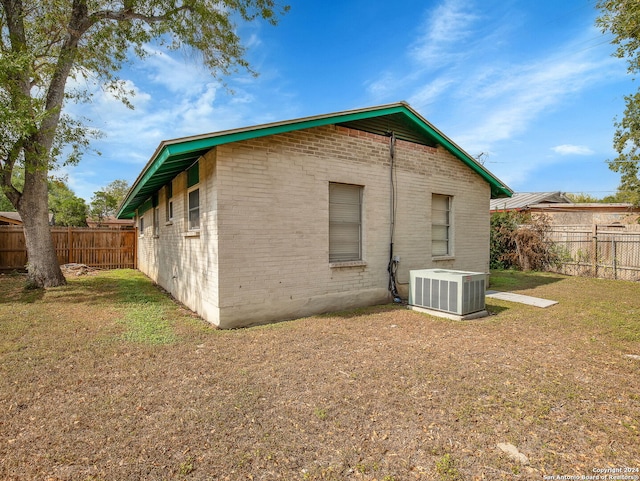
(42, 266)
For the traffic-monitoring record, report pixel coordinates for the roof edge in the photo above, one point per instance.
(204, 142)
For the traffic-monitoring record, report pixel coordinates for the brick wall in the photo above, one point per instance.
(262, 253)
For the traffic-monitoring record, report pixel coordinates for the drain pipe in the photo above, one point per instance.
(392, 267)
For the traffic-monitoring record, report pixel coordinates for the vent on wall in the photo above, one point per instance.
(455, 292)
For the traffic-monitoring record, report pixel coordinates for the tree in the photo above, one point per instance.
(620, 17)
(617, 198)
(583, 198)
(105, 202)
(5, 205)
(43, 43)
(67, 208)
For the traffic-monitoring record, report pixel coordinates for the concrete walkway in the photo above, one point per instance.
(522, 299)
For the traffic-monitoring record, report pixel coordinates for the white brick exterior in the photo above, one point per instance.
(262, 251)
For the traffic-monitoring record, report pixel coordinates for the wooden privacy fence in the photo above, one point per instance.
(104, 248)
(606, 251)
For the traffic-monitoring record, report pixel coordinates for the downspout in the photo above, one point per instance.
(393, 260)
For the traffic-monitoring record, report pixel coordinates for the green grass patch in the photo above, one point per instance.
(147, 325)
(512, 280)
(143, 306)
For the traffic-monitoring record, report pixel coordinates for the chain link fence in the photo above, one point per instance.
(605, 251)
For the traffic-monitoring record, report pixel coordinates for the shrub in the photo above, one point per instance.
(519, 241)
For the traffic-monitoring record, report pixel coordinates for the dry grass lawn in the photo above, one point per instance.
(108, 379)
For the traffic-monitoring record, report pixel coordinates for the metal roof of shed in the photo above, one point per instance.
(522, 200)
(174, 156)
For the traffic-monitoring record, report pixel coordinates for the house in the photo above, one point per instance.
(522, 200)
(10, 218)
(311, 215)
(560, 210)
(110, 222)
(13, 218)
(614, 214)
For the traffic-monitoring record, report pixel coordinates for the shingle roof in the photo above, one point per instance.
(12, 217)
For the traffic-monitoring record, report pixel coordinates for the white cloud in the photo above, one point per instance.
(464, 75)
(448, 24)
(178, 76)
(384, 86)
(107, 97)
(430, 92)
(568, 149)
(507, 107)
(486, 99)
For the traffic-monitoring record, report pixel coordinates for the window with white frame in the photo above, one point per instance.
(169, 202)
(156, 221)
(141, 225)
(193, 197)
(194, 208)
(345, 222)
(441, 225)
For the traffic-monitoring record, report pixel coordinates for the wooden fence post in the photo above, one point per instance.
(69, 245)
(594, 243)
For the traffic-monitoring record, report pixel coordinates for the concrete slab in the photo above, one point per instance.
(520, 298)
(448, 315)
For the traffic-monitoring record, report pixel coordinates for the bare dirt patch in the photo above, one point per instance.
(107, 378)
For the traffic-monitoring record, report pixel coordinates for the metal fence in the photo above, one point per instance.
(606, 251)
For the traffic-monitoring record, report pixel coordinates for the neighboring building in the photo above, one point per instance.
(522, 201)
(13, 218)
(111, 222)
(560, 210)
(10, 218)
(588, 213)
(289, 219)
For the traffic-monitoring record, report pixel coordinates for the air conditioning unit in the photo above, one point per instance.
(454, 292)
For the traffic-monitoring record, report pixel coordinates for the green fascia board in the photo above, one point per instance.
(181, 153)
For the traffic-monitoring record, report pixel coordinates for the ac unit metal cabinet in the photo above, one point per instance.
(455, 292)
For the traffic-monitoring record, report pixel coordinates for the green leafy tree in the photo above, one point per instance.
(102, 206)
(17, 180)
(617, 198)
(43, 43)
(583, 198)
(67, 208)
(621, 18)
(5, 204)
(105, 202)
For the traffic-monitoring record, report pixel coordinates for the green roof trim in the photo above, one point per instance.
(175, 156)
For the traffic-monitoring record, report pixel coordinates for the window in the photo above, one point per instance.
(169, 202)
(194, 209)
(345, 222)
(193, 197)
(441, 225)
(141, 225)
(156, 221)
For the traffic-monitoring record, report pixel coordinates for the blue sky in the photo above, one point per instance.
(531, 86)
